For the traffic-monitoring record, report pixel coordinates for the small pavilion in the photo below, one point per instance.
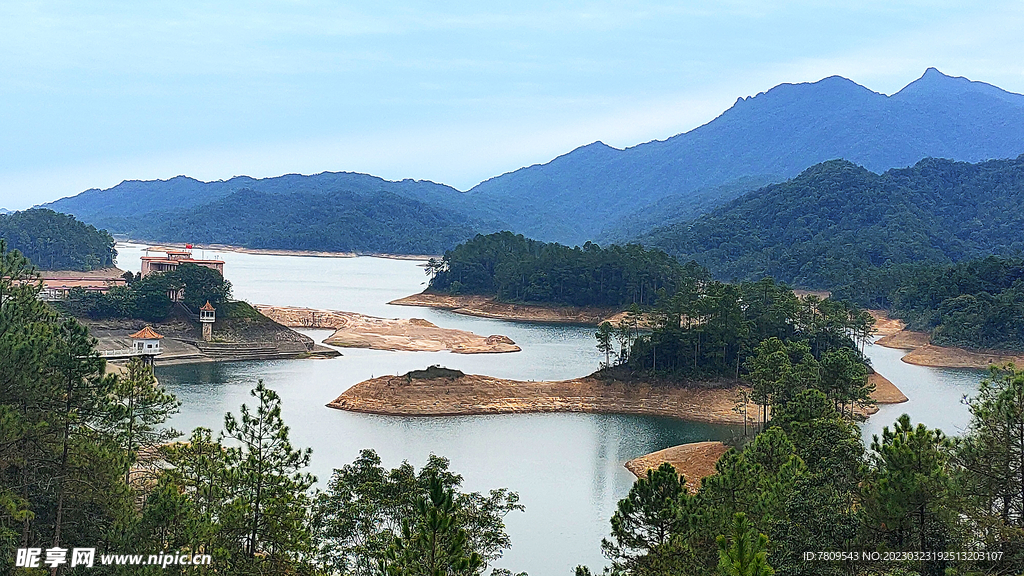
(146, 343)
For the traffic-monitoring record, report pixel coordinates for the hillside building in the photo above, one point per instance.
(173, 258)
(57, 284)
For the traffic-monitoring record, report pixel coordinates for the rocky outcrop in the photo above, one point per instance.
(354, 330)
(487, 307)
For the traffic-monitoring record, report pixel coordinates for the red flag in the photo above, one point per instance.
(189, 246)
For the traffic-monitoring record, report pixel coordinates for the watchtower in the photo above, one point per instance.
(207, 315)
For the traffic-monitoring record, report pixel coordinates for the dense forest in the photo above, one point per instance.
(54, 241)
(710, 329)
(517, 269)
(975, 303)
(806, 498)
(836, 220)
(338, 221)
(85, 459)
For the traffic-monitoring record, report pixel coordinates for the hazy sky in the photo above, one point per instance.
(98, 92)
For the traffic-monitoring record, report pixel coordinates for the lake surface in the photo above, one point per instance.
(567, 468)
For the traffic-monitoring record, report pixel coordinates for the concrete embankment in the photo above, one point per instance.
(254, 337)
(354, 330)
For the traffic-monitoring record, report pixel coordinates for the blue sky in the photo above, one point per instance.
(98, 92)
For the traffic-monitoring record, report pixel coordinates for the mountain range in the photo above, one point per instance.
(836, 219)
(597, 192)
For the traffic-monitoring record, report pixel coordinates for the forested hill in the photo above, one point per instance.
(517, 269)
(836, 219)
(132, 206)
(771, 136)
(340, 221)
(55, 241)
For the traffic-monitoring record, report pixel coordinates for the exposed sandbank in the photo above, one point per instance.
(694, 461)
(885, 391)
(354, 330)
(476, 394)
(488, 307)
(921, 352)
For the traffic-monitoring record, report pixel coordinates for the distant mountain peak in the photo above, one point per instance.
(934, 82)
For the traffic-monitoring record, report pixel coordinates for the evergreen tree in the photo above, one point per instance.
(432, 542)
(604, 341)
(268, 492)
(656, 510)
(140, 406)
(745, 552)
(908, 495)
(991, 460)
(357, 520)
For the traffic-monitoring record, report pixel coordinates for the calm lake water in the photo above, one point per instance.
(567, 468)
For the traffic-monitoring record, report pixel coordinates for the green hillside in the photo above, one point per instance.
(827, 226)
(339, 221)
(54, 241)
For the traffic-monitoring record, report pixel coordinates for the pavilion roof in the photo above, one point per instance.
(146, 333)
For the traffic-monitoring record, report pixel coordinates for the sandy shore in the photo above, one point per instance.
(487, 307)
(694, 461)
(885, 391)
(475, 394)
(921, 352)
(354, 330)
(697, 461)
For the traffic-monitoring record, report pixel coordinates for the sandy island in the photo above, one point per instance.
(488, 307)
(922, 352)
(465, 394)
(694, 461)
(354, 330)
(474, 394)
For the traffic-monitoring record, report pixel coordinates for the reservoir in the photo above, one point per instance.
(567, 468)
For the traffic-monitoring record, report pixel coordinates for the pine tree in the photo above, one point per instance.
(654, 512)
(745, 552)
(267, 489)
(140, 406)
(432, 542)
(604, 341)
(907, 492)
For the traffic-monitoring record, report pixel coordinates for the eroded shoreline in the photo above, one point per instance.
(921, 352)
(488, 307)
(694, 461)
(473, 394)
(353, 330)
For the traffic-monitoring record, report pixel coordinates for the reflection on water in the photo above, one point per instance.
(568, 468)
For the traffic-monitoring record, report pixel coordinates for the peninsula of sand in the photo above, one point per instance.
(488, 307)
(921, 352)
(443, 392)
(352, 330)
